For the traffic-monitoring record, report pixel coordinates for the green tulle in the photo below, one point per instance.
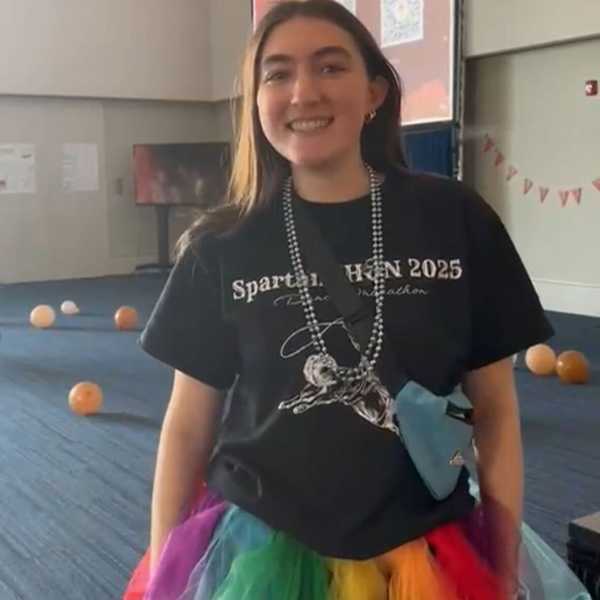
(281, 570)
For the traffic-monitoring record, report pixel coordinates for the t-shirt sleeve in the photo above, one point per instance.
(506, 313)
(186, 328)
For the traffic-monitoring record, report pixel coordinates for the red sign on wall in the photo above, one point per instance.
(591, 87)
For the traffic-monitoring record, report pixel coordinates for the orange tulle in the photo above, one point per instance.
(414, 573)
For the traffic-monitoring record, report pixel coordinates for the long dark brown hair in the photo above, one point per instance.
(258, 170)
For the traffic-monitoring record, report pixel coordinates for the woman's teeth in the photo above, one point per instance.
(310, 125)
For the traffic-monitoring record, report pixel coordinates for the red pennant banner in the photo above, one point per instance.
(512, 171)
(488, 143)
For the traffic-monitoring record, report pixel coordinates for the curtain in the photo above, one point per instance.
(432, 150)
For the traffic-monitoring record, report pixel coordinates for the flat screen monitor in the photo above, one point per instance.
(181, 174)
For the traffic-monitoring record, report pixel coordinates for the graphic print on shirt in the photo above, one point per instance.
(415, 274)
(368, 397)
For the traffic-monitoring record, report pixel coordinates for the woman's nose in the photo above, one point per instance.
(305, 89)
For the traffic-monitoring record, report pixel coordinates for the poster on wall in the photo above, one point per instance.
(418, 38)
(80, 168)
(17, 169)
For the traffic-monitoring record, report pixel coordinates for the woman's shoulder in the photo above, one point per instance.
(239, 238)
(435, 186)
(440, 194)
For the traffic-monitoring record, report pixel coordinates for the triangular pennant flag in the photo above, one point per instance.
(499, 159)
(488, 143)
(527, 185)
(564, 197)
(512, 171)
(543, 193)
(596, 184)
(577, 194)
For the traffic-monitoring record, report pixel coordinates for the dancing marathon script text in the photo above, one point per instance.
(415, 268)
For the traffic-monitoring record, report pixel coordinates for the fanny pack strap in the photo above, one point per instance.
(356, 311)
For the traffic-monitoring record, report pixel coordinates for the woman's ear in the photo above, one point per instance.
(378, 89)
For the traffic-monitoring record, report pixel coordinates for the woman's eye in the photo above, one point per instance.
(273, 76)
(331, 69)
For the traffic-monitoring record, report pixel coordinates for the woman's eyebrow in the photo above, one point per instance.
(272, 59)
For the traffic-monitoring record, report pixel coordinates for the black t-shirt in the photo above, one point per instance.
(290, 451)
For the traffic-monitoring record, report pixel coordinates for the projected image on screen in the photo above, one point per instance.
(418, 38)
(181, 174)
(349, 4)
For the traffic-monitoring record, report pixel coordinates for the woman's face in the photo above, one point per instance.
(314, 93)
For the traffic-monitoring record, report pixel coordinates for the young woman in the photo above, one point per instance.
(307, 490)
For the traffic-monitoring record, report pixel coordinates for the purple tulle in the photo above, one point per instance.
(184, 545)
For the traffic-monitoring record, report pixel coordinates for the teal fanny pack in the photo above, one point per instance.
(437, 433)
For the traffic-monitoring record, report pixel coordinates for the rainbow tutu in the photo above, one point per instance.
(221, 552)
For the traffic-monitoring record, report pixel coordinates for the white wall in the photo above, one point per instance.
(132, 229)
(492, 26)
(231, 26)
(151, 49)
(533, 104)
(50, 233)
(54, 234)
(190, 49)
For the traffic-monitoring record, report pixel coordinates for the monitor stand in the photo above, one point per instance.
(162, 235)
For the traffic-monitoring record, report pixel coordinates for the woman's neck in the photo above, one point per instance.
(329, 185)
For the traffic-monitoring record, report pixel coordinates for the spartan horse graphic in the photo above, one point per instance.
(368, 397)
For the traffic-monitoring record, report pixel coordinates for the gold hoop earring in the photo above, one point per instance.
(370, 116)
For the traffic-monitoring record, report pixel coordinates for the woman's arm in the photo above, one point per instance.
(186, 441)
(497, 431)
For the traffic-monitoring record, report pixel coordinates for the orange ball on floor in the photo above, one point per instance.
(573, 367)
(85, 398)
(126, 317)
(541, 359)
(42, 316)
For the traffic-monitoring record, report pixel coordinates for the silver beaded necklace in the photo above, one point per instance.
(321, 368)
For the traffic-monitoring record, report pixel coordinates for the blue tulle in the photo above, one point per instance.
(544, 574)
(237, 533)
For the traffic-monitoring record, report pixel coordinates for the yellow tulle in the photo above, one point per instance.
(357, 580)
(406, 573)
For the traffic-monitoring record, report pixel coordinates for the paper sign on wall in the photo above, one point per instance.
(17, 169)
(80, 167)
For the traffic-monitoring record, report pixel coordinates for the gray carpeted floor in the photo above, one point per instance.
(75, 491)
